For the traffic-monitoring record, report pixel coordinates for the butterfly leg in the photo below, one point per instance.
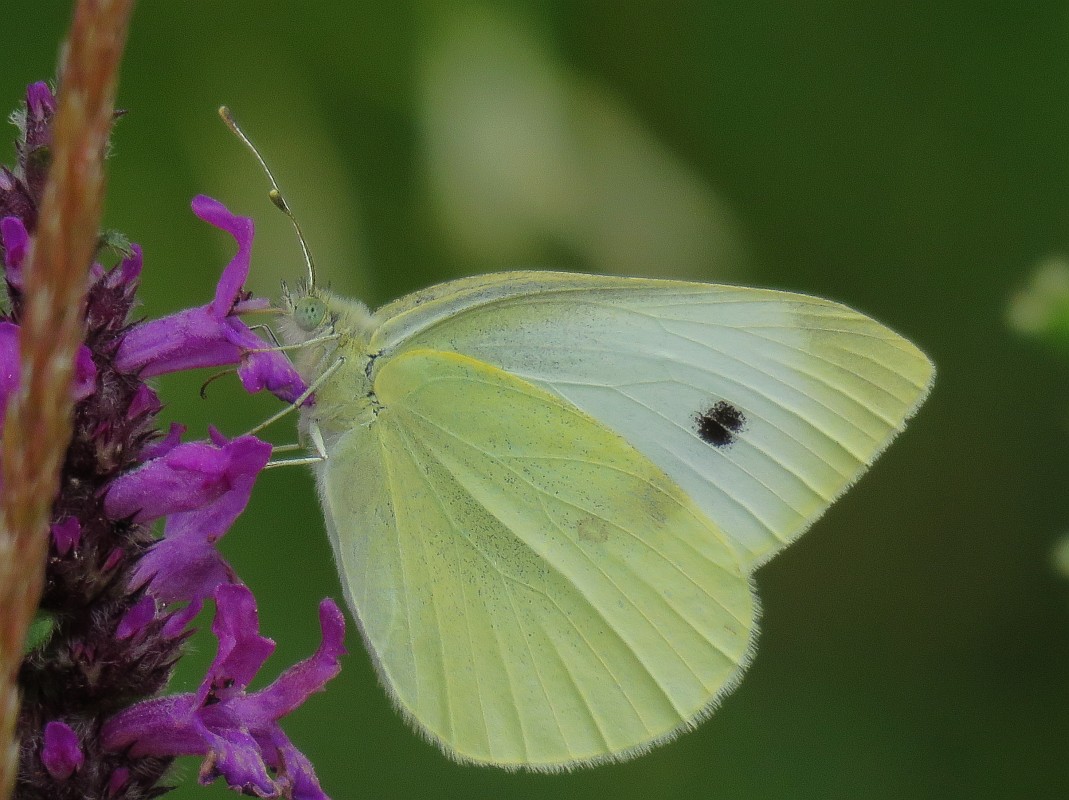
(270, 333)
(317, 441)
(330, 337)
(300, 400)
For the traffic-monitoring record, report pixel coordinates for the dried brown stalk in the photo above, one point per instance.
(38, 426)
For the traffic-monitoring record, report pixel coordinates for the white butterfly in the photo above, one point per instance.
(547, 492)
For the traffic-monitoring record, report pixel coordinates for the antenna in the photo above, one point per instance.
(275, 194)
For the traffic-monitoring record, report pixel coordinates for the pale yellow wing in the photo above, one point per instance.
(533, 590)
(763, 406)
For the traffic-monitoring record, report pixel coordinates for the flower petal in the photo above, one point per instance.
(189, 339)
(137, 617)
(201, 487)
(61, 752)
(189, 477)
(40, 101)
(242, 650)
(295, 769)
(177, 620)
(85, 374)
(162, 726)
(145, 401)
(234, 755)
(36, 136)
(229, 288)
(118, 780)
(261, 369)
(165, 445)
(182, 568)
(213, 335)
(16, 242)
(66, 535)
(295, 685)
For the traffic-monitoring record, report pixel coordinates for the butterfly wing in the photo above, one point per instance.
(534, 591)
(763, 406)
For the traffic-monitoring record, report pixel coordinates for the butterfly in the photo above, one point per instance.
(547, 493)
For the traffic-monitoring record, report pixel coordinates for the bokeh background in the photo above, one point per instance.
(908, 159)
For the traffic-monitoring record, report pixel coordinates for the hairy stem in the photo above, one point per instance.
(38, 425)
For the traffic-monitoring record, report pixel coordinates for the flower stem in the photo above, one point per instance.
(38, 425)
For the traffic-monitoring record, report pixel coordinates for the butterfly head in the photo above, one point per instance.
(305, 314)
(308, 312)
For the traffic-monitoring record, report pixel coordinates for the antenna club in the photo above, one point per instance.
(280, 202)
(228, 118)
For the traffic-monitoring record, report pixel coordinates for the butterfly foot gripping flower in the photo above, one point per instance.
(118, 601)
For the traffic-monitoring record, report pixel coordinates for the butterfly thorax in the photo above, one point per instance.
(339, 344)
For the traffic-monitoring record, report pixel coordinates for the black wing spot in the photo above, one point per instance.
(719, 425)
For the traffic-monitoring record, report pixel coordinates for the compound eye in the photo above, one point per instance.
(309, 313)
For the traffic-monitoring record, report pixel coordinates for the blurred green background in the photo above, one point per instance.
(908, 159)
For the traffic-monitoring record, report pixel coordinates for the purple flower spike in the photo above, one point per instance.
(236, 732)
(62, 753)
(121, 601)
(20, 189)
(213, 335)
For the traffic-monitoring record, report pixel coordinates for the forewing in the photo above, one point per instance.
(534, 591)
(764, 406)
